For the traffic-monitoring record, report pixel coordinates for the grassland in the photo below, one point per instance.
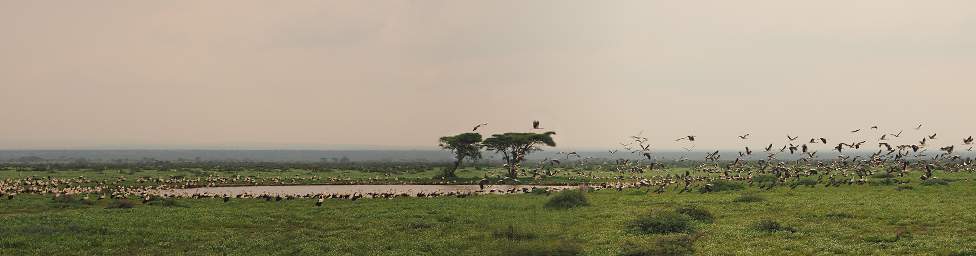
(866, 219)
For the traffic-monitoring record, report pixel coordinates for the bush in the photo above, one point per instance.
(904, 187)
(120, 204)
(764, 178)
(567, 199)
(697, 214)
(544, 248)
(767, 225)
(682, 245)
(725, 185)
(749, 198)
(68, 201)
(661, 223)
(809, 182)
(882, 175)
(164, 202)
(934, 181)
(513, 234)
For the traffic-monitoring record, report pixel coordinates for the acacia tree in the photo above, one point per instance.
(515, 146)
(465, 145)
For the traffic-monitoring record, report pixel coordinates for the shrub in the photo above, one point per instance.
(682, 245)
(749, 198)
(904, 187)
(933, 181)
(567, 199)
(764, 178)
(661, 223)
(164, 202)
(513, 234)
(768, 225)
(68, 201)
(697, 214)
(544, 248)
(120, 204)
(883, 175)
(724, 185)
(809, 182)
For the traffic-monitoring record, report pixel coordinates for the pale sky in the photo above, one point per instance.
(295, 74)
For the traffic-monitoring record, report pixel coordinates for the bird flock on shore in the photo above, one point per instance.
(793, 162)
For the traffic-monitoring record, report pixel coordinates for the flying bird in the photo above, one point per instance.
(792, 138)
(919, 127)
(896, 135)
(535, 124)
(689, 137)
(744, 136)
(968, 141)
(932, 137)
(855, 131)
(478, 126)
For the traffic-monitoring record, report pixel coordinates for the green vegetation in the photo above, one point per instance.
(567, 199)
(855, 220)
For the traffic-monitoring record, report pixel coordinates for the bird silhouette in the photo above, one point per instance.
(689, 138)
(896, 135)
(478, 126)
(932, 137)
(746, 136)
(792, 138)
(855, 131)
(535, 124)
(968, 141)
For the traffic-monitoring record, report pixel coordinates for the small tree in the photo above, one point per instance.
(515, 146)
(462, 146)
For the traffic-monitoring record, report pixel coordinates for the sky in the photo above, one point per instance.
(239, 74)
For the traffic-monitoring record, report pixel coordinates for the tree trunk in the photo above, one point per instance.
(457, 164)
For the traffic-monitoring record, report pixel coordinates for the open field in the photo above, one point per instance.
(877, 217)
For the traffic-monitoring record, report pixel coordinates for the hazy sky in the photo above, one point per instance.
(294, 74)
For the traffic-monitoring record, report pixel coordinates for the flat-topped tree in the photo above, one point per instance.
(515, 146)
(465, 145)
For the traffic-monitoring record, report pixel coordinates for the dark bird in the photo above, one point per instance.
(804, 147)
(535, 124)
(855, 131)
(968, 141)
(839, 147)
(919, 127)
(948, 149)
(932, 137)
(896, 135)
(769, 148)
(886, 145)
(883, 136)
(823, 140)
(478, 126)
(874, 127)
(792, 138)
(689, 137)
(744, 136)
(748, 151)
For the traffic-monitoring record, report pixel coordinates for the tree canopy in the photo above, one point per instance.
(515, 146)
(465, 145)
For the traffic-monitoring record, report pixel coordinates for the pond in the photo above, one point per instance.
(300, 190)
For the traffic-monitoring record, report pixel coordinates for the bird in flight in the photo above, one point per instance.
(874, 127)
(535, 124)
(478, 126)
(896, 135)
(919, 127)
(932, 137)
(855, 131)
(968, 141)
(689, 137)
(744, 136)
(792, 138)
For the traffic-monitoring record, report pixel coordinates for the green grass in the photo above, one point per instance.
(852, 220)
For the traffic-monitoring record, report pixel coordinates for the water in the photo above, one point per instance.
(351, 189)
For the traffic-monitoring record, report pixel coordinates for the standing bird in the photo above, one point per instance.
(535, 124)
(478, 126)
(319, 202)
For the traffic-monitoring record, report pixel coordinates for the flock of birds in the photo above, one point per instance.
(767, 167)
